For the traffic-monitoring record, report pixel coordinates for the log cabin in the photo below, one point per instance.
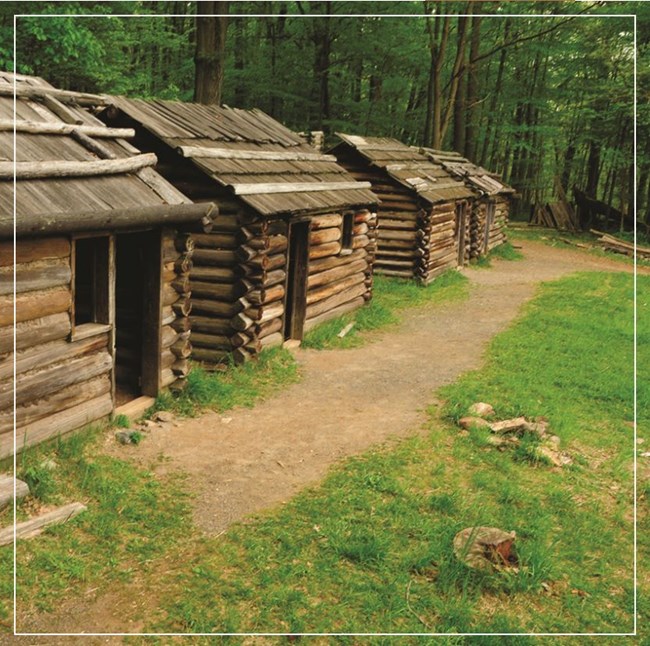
(490, 209)
(294, 242)
(423, 226)
(100, 268)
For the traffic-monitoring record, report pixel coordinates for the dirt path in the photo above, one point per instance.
(346, 401)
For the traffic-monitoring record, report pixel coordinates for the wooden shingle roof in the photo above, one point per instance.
(269, 167)
(68, 163)
(477, 177)
(410, 168)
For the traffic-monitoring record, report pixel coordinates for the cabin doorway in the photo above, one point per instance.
(297, 272)
(137, 315)
(461, 215)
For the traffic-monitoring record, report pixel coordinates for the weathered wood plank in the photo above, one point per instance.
(34, 526)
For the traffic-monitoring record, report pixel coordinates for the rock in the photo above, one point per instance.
(516, 425)
(538, 428)
(485, 548)
(124, 437)
(557, 458)
(149, 424)
(163, 416)
(226, 420)
(481, 409)
(49, 464)
(553, 441)
(473, 422)
(646, 454)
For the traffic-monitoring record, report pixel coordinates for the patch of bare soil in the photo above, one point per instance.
(248, 460)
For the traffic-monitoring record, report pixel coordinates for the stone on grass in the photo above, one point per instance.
(486, 548)
(503, 440)
(515, 425)
(163, 416)
(473, 422)
(481, 409)
(556, 458)
(124, 437)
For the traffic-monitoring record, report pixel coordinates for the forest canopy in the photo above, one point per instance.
(533, 91)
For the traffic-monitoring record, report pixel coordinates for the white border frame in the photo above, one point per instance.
(635, 410)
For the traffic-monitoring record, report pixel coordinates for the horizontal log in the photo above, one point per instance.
(7, 484)
(227, 292)
(181, 284)
(35, 276)
(57, 128)
(323, 264)
(215, 240)
(267, 227)
(383, 252)
(221, 258)
(360, 229)
(52, 169)
(48, 222)
(268, 327)
(334, 301)
(241, 322)
(48, 353)
(167, 377)
(30, 250)
(326, 221)
(319, 293)
(181, 367)
(257, 345)
(271, 155)
(35, 526)
(35, 332)
(66, 96)
(322, 250)
(212, 341)
(168, 336)
(295, 187)
(210, 325)
(334, 312)
(33, 305)
(336, 273)
(35, 385)
(395, 273)
(396, 234)
(183, 242)
(212, 274)
(60, 400)
(265, 295)
(60, 423)
(396, 264)
(321, 236)
(358, 242)
(216, 308)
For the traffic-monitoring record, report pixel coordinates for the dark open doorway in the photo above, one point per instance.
(137, 315)
(297, 272)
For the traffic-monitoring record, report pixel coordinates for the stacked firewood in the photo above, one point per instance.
(610, 243)
(263, 258)
(436, 243)
(175, 332)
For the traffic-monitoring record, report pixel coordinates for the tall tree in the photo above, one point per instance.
(209, 57)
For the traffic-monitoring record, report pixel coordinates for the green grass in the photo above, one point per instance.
(504, 251)
(390, 296)
(133, 520)
(236, 386)
(369, 549)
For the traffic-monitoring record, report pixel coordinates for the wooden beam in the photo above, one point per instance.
(302, 187)
(51, 169)
(60, 110)
(51, 223)
(35, 526)
(270, 155)
(65, 96)
(53, 128)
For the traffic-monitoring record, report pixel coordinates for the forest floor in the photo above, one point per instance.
(247, 460)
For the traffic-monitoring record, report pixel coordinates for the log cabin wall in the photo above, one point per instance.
(498, 230)
(61, 384)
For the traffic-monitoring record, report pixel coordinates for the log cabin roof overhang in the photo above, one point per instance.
(482, 180)
(410, 168)
(66, 171)
(264, 164)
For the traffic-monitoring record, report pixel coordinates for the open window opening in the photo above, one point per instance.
(91, 281)
(347, 231)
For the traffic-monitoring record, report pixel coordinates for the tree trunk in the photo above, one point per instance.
(209, 57)
(472, 107)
